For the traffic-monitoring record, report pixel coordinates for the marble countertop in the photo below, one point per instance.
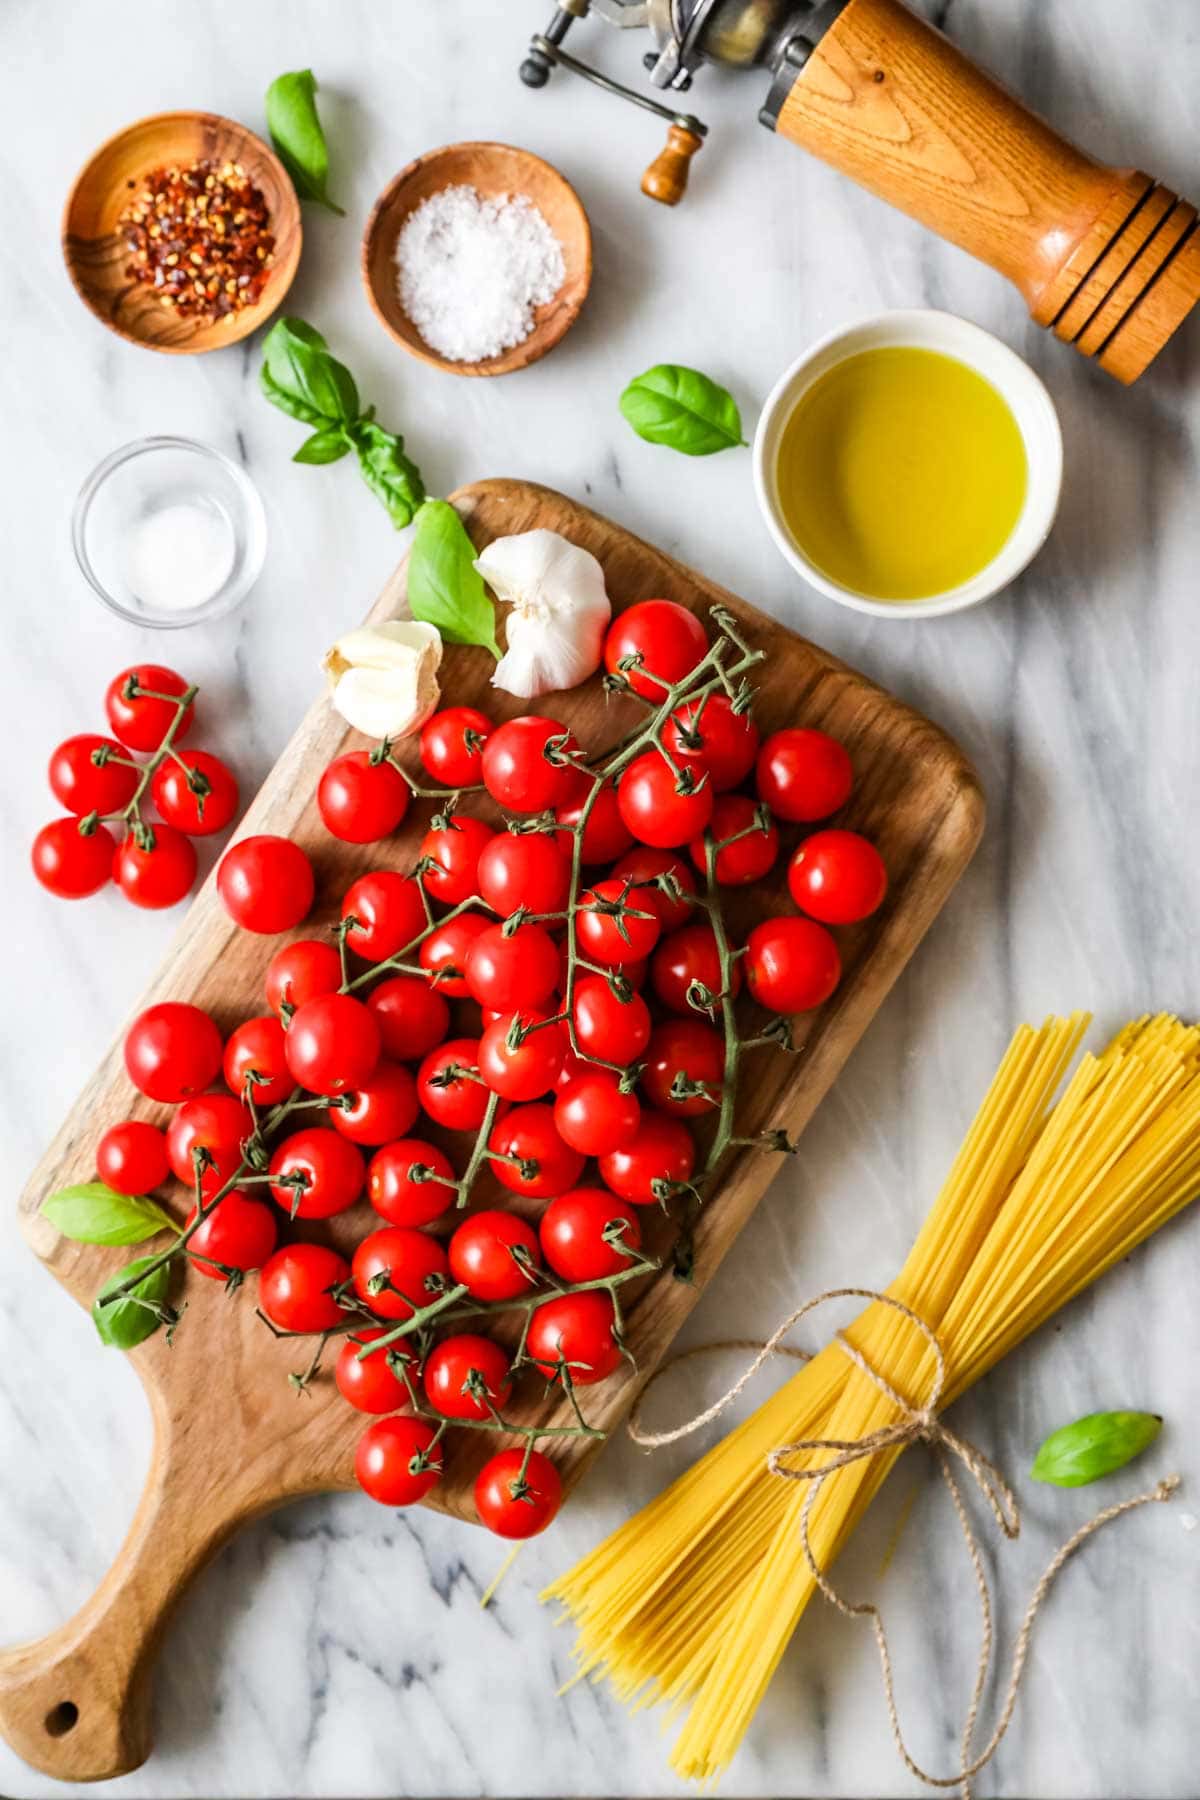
(336, 1649)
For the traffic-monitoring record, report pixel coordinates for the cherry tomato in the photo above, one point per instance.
(389, 911)
(614, 925)
(215, 1123)
(748, 860)
(643, 866)
(592, 1114)
(142, 722)
(467, 1377)
(383, 1108)
(131, 1158)
(493, 1254)
(524, 869)
(411, 1015)
(266, 884)
(685, 957)
(71, 863)
(792, 965)
(575, 1330)
(332, 1168)
(803, 775)
(605, 836)
(509, 969)
(159, 876)
(653, 807)
(256, 1062)
(295, 1287)
(448, 1087)
(541, 1164)
(517, 1496)
(710, 736)
(198, 794)
(239, 1234)
(451, 745)
(581, 1233)
(82, 784)
(452, 853)
(838, 877)
(606, 1026)
(300, 972)
(662, 1151)
(520, 767)
(403, 1196)
(332, 1044)
(397, 1461)
(666, 639)
(361, 799)
(445, 952)
(172, 1050)
(693, 1049)
(372, 1384)
(397, 1271)
(527, 1068)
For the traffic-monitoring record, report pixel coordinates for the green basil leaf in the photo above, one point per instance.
(328, 445)
(391, 476)
(296, 134)
(444, 586)
(92, 1213)
(128, 1321)
(1094, 1446)
(288, 403)
(682, 409)
(298, 362)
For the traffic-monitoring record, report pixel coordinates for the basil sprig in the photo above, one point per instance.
(140, 1312)
(444, 587)
(296, 134)
(302, 378)
(92, 1213)
(1093, 1446)
(683, 409)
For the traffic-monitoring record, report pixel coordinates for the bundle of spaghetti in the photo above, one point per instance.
(694, 1600)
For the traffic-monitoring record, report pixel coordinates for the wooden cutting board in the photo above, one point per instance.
(232, 1439)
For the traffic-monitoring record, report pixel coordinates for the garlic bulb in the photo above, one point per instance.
(560, 611)
(383, 678)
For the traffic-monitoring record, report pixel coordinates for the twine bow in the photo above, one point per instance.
(915, 1425)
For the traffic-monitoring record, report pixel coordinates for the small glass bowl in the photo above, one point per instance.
(118, 503)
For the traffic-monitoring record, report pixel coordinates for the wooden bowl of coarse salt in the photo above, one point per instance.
(478, 258)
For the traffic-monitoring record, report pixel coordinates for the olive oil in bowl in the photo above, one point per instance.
(901, 473)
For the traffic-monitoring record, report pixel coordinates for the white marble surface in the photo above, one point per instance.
(336, 1649)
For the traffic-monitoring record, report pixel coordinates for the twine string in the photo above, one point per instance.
(915, 1424)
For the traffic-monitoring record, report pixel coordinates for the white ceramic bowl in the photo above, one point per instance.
(1031, 406)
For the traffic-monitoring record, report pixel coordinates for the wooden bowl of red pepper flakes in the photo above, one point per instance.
(183, 232)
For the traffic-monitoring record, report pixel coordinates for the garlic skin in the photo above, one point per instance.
(383, 679)
(560, 611)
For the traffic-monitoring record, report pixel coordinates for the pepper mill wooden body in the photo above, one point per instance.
(1106, 258)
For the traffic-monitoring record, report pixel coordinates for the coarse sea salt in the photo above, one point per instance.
(470, 271)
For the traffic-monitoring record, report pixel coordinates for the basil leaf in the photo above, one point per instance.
(128, 1321)
(391, 476)
(326, 446)
(296, 134)
(298, 362)
(444, 587)
(1094, 1446)
(92, 1213)
(288, 403)
(682, 409)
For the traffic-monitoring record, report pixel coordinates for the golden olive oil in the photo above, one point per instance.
(901, 473)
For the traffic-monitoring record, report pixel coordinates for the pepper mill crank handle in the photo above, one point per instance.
(667, 177)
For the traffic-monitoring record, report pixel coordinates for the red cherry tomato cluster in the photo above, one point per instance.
(103, 786)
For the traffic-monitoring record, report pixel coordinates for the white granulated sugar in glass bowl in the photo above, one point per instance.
(470, 271)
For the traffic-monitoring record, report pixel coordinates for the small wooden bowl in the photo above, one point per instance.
(492, 169)
(95, 251)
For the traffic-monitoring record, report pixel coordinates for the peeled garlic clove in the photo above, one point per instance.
(560, 611)
(383, 678)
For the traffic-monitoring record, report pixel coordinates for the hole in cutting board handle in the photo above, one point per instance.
(62, 1718)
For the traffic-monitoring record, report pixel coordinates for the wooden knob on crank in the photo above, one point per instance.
(667, 177)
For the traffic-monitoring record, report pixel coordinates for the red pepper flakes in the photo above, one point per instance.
(198, 235)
